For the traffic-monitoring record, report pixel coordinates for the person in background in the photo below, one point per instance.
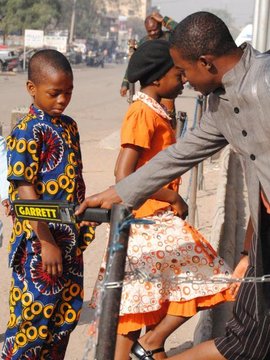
(153, 25)
(237, 81)
(169, 246)
(44, 163)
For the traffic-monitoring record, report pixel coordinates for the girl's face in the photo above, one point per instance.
(170, 85)
(53, 95)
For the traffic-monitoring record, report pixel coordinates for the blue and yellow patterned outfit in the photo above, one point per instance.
(45, 152)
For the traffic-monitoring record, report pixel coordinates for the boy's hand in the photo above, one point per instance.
(51, 258)
(180, 206)
(157, 16)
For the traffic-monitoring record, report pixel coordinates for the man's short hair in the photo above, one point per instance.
(48, 60)
(202, 33)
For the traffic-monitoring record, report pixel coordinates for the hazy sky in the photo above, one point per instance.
(240, 10)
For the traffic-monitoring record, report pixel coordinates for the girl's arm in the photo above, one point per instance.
(51, 254)
(126, 164)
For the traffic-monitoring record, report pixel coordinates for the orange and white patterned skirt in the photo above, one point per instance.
(161, 258)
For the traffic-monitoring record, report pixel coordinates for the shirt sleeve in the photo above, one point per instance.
(23, 153)
(3, 170)
(138, 126)
(198, 144)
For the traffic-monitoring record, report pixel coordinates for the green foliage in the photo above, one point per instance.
(17, 15)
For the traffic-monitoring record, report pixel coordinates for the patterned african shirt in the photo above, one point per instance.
(45, 151)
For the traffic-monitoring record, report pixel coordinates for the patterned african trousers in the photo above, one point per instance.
(43, 312)
(248, 338)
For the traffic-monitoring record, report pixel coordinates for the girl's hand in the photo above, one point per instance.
(51, 258)
(7, 207)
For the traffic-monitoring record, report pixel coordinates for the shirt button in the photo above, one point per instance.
(253, 157)
(236, 110)
(244, 133)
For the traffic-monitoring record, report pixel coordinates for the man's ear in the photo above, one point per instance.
(156, 82)
(207, 61)
(31, 88)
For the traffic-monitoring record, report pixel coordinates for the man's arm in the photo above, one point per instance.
(198, 144)
(166, 21)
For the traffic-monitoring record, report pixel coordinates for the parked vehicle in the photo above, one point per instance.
(95, 59)
(9, 59)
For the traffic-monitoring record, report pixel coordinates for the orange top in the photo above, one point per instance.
(144, 127)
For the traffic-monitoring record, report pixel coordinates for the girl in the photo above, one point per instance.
(170, 247)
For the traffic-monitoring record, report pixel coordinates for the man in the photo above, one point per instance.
(153, 26)
(237, 79)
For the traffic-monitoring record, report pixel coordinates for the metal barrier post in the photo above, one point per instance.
(115, 270)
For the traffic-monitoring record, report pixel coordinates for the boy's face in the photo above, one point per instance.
(170, 85)
(53, 92)
(197, 73)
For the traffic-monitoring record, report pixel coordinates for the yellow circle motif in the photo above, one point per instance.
(71, 186)
(20, 339)
(70, 197)
(17, 294)
(9, 170)
(21, 145)
(72, 159)
(64, 307)
(66, 295)
(12, 321)
(43, 331)
(70, 316)
(63, 181)
(27, 314)
(18, 168)
(25, 326)
(31, 333)
(59, 319)
(70, 171)
(11, 142)
(47, 311)
(74, 290)
(52, 187)
(27, 299)
(28, 173)
(36, 308)
(18, 228)
(32, 147)
(40, 188)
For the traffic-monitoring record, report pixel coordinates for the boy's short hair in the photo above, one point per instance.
(47, 59)
(202, 33)
(150, 62)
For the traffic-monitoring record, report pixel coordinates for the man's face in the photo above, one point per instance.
(153, 29)
(195, 72)
(53, 94)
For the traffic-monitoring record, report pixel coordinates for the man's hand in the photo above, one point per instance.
(239, 273)
(157, 16)
(123, 91)
(105, 200)
(180, 206)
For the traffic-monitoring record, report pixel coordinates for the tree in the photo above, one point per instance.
(18, 15)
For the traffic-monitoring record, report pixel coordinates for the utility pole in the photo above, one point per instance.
(261, 25)
(72, 23)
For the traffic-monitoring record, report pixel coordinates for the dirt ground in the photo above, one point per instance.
(98, 108)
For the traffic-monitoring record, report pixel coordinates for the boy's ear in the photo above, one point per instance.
(31, 88)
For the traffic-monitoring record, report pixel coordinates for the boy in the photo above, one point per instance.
(44, 162)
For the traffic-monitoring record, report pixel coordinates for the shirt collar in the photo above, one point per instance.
(152, 103)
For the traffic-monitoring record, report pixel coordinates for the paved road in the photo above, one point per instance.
(98, 108)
